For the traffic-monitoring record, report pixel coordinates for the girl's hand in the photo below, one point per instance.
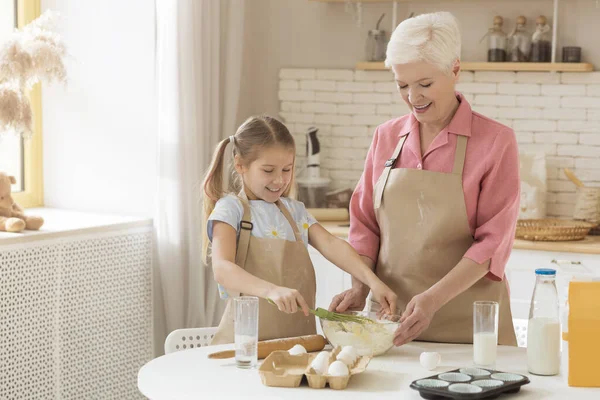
(288, 300)
(415, 319)
(385, 296)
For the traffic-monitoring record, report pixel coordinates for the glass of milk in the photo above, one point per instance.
(485, 333)
(245, 328)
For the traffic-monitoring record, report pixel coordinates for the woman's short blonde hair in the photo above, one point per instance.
(432, 38)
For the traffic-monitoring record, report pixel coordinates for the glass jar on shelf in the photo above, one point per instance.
(520, 42)
(496, 39)
(541, 41)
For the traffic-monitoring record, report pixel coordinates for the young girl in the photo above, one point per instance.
(260, 236)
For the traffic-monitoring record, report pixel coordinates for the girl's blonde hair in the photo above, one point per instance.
(433, 38)
(255, 134)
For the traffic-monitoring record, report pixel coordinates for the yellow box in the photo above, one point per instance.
(584, 334)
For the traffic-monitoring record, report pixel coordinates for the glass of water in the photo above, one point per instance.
(246, 331)
(485, 333)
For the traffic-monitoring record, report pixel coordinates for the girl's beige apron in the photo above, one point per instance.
(281, 262)
(424, 233)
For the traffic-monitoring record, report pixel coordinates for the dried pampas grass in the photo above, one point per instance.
(34, 53)
(15, 111)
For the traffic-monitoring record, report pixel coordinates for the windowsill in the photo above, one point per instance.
(58, 223)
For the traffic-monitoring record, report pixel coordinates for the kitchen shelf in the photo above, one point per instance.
(497, 66)
(374, 1)
(379, 1)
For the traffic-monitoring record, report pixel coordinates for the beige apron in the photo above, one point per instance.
(281, 262)
(424, 233)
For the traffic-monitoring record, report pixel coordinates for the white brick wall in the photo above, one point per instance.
(318, 86)
(519, 88)
(555, 113)
(495, 100)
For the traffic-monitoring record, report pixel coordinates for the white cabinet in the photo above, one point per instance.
(331, 280)
(520, 272)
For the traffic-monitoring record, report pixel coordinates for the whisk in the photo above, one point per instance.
(333, 316)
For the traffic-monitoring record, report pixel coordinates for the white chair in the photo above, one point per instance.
(183, 339)
(521, 331)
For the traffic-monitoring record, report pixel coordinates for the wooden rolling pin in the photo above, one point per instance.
(310, 343)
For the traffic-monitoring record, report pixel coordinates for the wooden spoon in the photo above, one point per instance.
(573, 178)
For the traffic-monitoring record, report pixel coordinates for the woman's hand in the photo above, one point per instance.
(385, 296)
(351, 299)
(415, 319)
(288, 300)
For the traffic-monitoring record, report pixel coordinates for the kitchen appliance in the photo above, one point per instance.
(376, 43)
(312, 188)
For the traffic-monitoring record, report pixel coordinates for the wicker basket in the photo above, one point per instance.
(552, 230)
(587, 204)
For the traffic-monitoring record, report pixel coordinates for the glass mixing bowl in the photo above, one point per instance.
(368, 339)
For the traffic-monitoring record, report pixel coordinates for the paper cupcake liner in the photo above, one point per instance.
(464, 388)
(506, 377)
(475, 371)
(454, 377)
(488, 383)
(432, 383)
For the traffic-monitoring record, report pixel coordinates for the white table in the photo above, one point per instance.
(189, 374)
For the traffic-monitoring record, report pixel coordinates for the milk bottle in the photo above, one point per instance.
(543, 330)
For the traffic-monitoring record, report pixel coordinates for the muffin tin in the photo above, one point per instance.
(469, 383)
(280, 369)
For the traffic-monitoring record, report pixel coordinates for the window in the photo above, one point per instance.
(18, 157)
(11, 146)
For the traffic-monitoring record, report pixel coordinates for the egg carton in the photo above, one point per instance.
(281, 369)
(469, 383)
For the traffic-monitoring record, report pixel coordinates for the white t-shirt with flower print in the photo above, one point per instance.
(268, 221)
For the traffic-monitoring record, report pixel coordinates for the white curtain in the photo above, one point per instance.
(199, 59)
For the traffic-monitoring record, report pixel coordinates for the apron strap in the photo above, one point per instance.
(389, 164)
(245, 231)
(244, 240)
(289, 218)
(459, 155)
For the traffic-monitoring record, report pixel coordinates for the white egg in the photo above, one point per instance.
(297, 349)
(351, 350)
(324, 355)
(346, 358)
(338, 368)
(430, 360)
(320, 363)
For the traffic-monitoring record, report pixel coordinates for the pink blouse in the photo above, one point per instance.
(491, 183)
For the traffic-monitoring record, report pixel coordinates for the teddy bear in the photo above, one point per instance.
(12, 218)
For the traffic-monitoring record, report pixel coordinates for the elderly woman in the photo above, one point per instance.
(435, 210)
